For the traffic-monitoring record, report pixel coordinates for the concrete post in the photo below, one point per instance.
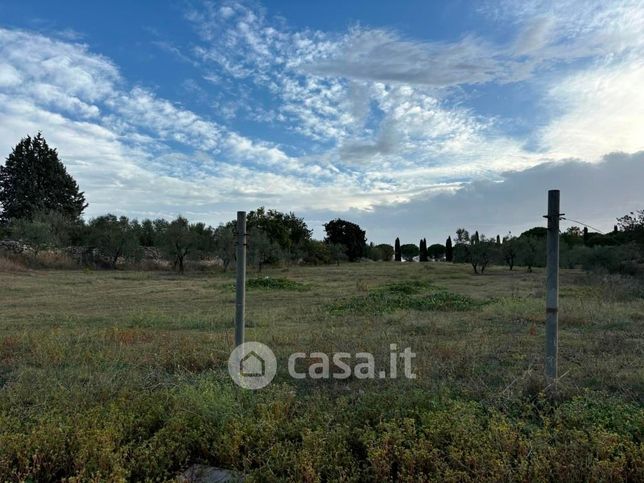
(240, 296)
(552, 287)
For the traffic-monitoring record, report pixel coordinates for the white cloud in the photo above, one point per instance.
(376, 119)
(514, 203)
(602, 112)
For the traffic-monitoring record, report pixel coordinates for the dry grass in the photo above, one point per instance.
(123, 362)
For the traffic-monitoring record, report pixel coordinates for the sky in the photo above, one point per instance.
(410, 118)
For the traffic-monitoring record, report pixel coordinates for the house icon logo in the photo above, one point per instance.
(252, 365)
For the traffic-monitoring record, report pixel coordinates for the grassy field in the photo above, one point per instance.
(122, 375)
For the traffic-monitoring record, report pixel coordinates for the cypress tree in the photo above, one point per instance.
(423, 257)
(397, 252)
(449, 250)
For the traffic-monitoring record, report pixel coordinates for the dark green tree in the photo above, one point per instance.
(409, 251)
(386, 251)
(397, 254)
(422, 256)
(338, 252)
(449, 249)
(632, 226)
(349, 234)
(33, 179)
(536, 232)
(145, 233)
(436, 251)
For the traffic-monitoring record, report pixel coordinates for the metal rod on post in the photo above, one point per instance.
(240, 297)
(552, 287)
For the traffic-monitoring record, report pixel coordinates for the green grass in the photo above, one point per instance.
(122, 376)
(270, 283)
(409, 295)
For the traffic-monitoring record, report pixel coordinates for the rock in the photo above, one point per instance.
(14, 246)
(208, 474)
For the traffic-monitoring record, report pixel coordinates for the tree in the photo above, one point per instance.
(397, 254)
(462, 236)
(386, 251)
(34, 179)
(317, 252)
(409, 251)
(423, 251)
(45, 230)
(114, 237)
(498, 240)
(477, 250)
(572, 236)
(509, 250)
(176, 239)
(437, 251)
(449, 249)
(348, 234)
(529, 251)
(536, 232)
(261, 249)
(36, 233)
(381, 252)
(338, 252)
(632, 226)
(461, 250)
(145, 233)
(285, 229)
(585, 235)
(483, 252)
(225, 244)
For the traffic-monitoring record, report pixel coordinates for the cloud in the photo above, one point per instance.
(366, 123)
(535, 36)
(380, 55)
(596, 193)
(601, 111)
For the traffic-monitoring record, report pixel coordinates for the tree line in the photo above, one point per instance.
(42, 206)
(620, 251)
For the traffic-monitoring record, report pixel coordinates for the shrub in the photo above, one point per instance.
(8, 264)
(612, 259)
(268, 283)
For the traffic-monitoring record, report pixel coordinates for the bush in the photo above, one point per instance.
(8, 264)
(611, 259)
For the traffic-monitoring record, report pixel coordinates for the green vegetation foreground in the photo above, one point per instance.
(122, 375)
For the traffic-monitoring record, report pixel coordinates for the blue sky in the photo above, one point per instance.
(411, 118)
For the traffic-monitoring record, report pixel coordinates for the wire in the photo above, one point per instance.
(584, 224)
